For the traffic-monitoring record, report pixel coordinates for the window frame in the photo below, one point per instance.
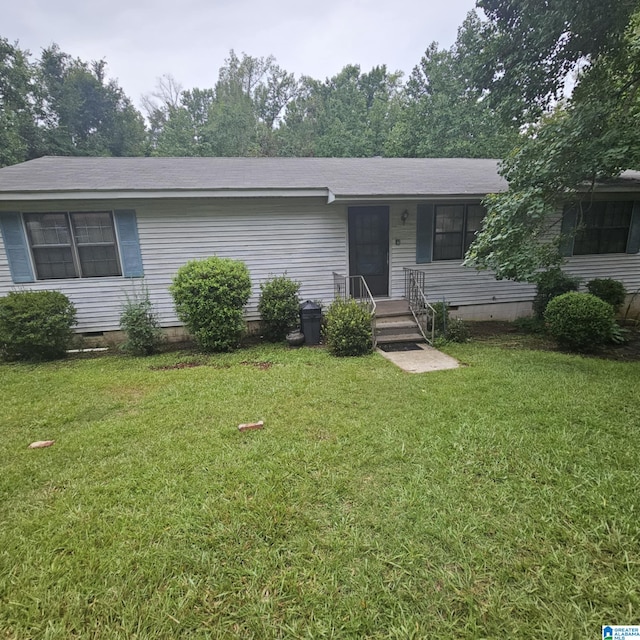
(572, 220)
(463, 233)
(74, 244)
(585, 231)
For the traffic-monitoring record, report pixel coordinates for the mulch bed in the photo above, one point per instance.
(508, 334)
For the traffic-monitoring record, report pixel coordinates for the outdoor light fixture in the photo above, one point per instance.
(404, 216)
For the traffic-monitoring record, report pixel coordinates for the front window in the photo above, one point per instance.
(73, 245)
(455, 229)
(603, 227)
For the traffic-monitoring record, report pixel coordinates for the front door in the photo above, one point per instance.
(369, 247)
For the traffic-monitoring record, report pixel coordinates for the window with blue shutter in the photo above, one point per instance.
(17, 250)
(62, 245)
(129, 244)
(424, 234)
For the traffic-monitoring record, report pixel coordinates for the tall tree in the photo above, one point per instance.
(237, 117)
(443, 114)
(19, 134)
(591, 136)
(350, 114)
(83, 112)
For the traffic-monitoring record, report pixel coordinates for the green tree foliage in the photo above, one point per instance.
(237, 117)
(349, 115)
(528, 48)
(443, 115)
(83, 112)
(591, 136)
(19, 134)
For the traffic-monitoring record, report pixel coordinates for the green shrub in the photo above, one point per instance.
(448, 329)
(139, 322)
(457, 330)
(348, 328)
(35, 325)
(609, 290)
(209, 296)
(549, 285)
(530, 324)
(440, 317)
(579, 321)
(279, 307)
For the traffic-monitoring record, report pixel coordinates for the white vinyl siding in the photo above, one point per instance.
(462, 286)
(304, 238)
(446, 278)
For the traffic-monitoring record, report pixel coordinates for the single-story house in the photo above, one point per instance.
(98, 228)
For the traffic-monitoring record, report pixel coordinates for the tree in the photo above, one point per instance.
(19, 134)
(350, 114)
(238, 117)
(83, 112)
(444, 115)
(577, 141)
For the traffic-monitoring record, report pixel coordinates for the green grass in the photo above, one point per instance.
(499, 500)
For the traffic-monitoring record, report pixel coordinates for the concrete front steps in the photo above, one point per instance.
(395, 323)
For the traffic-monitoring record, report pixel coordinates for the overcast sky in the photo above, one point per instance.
(143, 39)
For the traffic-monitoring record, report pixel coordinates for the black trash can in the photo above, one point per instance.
(310, 321)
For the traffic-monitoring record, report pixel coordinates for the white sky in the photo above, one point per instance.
(143, 39)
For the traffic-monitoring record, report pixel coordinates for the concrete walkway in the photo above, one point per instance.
(422, 361)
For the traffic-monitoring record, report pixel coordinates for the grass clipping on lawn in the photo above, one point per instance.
(496, 500)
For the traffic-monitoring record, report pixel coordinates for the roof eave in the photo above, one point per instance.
(414, 197)
(153, 194)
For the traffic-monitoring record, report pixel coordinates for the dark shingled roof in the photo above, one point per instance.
(344, 177)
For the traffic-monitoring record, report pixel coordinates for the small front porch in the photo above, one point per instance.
(410, 319)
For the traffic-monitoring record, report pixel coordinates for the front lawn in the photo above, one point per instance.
(499, 500)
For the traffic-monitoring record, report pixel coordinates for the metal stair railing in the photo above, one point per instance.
(356, 287)
(423, 313)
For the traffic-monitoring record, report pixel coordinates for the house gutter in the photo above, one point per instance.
(112, 194)
(386, 197)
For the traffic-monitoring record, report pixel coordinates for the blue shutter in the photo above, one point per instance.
(129, 244)
(633, 244)
(15, 244)
(568, 230)
(424, 233)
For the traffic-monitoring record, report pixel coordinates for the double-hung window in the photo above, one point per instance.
(455, 227)
(604, 228)
(601, 227)
(73, 245)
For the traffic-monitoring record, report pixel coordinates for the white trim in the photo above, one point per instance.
(385, 199)
(138, 195)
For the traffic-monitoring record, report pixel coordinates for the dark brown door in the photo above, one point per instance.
(369, 247)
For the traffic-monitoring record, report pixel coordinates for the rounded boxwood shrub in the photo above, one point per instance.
(609, 290)
(278, 307)
(348, 328)
(549, 285)
(35, 325)
(209, 297)
(579, 321)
